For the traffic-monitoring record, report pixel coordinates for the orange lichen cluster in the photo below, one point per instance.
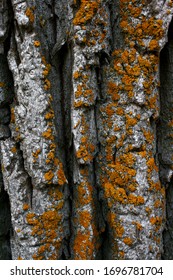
(157, 222)
(138, 225)
(47, 68)
(14, 149)
(30, 13)
(48, 134)
(25, 206)
(12, 115)
(49, 176)
(46, 227)
(128, 241)
(84, 95)
(47, 84)
(85, 150)
(87, 10)
(37, 44)
(120, 195)
(136, 31)
(85, 218)
(113, 91)
(83, 246)
(61, 176)
(122, 173)
(46, 71)
(136, 200)
(36, 153)
(86, 234)
(49, 115)
(130, 65)
(2, 84)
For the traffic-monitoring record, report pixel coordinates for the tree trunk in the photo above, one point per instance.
(86, 129)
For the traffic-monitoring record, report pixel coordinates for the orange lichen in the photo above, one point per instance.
(49, 175)
(156, 220)
(85, 150)
(2, 84)
(119, 230)
(49, 115)
(76, 75)
(37, 44)
(83, 246)
(118, 194)
(85, 218)
(36, 153)
(120, 111)
(113, 91)
(86, 11)
(29, 13)
(48, 134)
(138, 225)
(130, 121)
(47, 68)
(12, 115)
(14, 149)
(47, 84)
(128, 241)
(25, 206)
(61, 176)
(46, 227)
(151, 165)
(136, 200)
(121, 254)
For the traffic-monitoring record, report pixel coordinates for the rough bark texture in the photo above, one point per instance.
(86, 108)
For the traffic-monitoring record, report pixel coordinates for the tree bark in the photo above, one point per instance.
(86, 129)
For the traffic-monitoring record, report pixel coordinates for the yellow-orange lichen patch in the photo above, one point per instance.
(83, 246)
(12, 115)
(61, 176)
(46, 227)
(46, 70)
(85, 150)
(48, 134)
(25, 206)
(49, 175)
(86, 11)
(47, 84)
(36, 153)
(157, 222)
(37, 44)
(14, 149)
(85, 218)
(29, 13)
(113, 91)
(136, 200)
(151, 165)
(77, 75)
(2, 84)
(128, 241)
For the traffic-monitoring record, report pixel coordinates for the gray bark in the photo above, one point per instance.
(86, 129)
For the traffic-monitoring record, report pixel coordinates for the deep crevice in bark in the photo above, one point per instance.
(64, 67)
(5, 223)
(164, 131)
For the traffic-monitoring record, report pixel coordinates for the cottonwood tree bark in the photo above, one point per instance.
(86, 129)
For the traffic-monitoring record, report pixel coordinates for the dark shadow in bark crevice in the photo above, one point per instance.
(164, 132)
(62, 62)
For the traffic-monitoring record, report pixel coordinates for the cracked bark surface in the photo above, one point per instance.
(86, 129)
